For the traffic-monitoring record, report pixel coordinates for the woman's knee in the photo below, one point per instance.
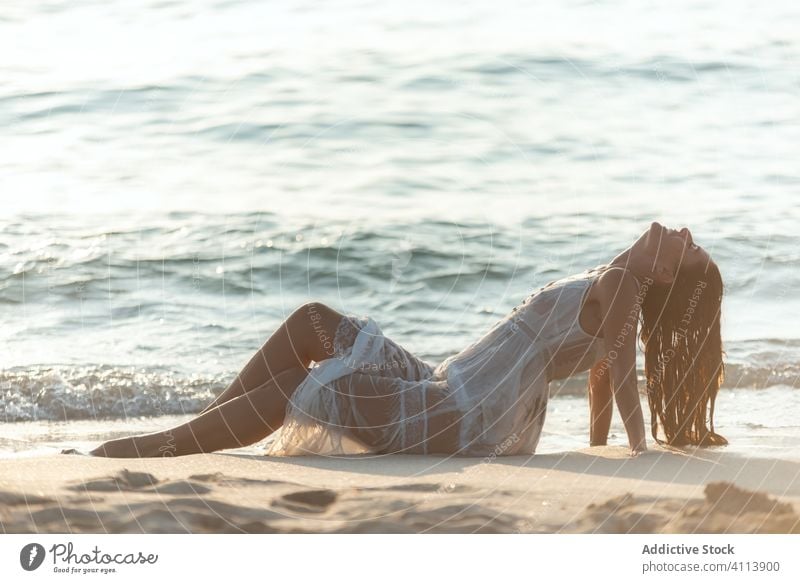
(311, 308)
(316, 323)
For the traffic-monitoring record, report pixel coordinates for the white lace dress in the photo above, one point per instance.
(498, 386)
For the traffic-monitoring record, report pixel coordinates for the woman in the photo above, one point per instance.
(366, 394)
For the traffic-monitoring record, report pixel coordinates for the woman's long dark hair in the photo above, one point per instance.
(683, 355)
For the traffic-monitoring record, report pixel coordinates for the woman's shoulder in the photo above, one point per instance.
(606, 274)
(585, 275)
(617, 275)
(617, 285)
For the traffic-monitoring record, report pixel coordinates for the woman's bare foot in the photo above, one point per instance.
(160, 444)
(124, 447)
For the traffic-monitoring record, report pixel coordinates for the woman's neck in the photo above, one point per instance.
(633, 261)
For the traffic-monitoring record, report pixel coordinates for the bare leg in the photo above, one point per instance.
(240, 421)
(257, 401)
(305, 336)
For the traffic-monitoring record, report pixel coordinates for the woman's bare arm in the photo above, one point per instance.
(601, 403)
(618, 300)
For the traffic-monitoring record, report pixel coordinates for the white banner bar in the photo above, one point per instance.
(399, 558)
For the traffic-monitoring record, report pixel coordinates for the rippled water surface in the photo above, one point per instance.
(177, 177)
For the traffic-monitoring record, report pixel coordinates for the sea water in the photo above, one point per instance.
(177, 177)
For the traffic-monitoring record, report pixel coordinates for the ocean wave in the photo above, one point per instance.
(658, 68)
(68, 393)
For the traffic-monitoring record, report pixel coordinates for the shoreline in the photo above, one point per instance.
(595, 489)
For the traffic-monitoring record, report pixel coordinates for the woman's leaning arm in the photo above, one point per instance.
(620, 323)
(601, 403)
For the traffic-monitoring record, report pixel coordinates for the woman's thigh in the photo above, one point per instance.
(394, 360)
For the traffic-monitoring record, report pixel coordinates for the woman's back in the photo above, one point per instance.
(501, 380)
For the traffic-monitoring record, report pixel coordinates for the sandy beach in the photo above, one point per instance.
(591, 490)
